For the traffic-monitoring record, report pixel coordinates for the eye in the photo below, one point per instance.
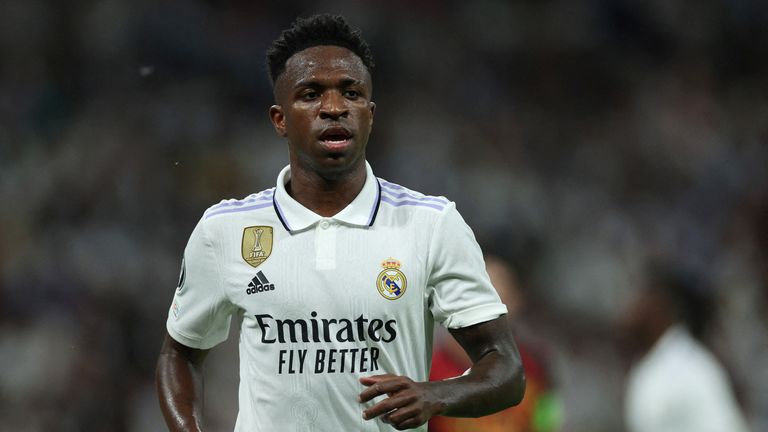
(352, 94)
(309, 95)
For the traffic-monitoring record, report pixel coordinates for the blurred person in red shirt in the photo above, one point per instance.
(540, 410)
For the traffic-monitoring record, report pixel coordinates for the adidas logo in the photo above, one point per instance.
(259, 283)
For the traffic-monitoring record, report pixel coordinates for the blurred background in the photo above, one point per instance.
(578, 138)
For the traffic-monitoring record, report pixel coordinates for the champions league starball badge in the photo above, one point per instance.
(391, 282)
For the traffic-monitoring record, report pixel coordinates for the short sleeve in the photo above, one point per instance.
(459, 289)
(200, 313)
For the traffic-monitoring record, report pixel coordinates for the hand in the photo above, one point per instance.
(409, 404)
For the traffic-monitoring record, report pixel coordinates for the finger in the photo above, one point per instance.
(373, 379)
(380, 388)
(401, 415)
(410, 423)
(385, 406)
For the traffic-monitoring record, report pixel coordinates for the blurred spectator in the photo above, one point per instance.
(676, 384)
(540, 410)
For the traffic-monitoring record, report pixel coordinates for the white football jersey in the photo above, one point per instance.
(327, 300)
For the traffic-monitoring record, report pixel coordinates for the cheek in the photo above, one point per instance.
(296, 120)
(366, 117)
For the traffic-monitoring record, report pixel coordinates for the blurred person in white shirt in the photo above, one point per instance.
(675, 383)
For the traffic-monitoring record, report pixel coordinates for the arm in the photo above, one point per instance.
(179, 380)
(495, 382)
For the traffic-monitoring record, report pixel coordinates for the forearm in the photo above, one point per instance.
(496, 380)
(179, 382)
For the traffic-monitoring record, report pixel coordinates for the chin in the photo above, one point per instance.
(336, 165)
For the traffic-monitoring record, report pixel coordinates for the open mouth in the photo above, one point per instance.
(335, 138)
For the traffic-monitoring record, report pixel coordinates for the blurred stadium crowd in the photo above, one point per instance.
(578, 138)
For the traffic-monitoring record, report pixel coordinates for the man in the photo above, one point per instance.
(339, 276)
(676, 384)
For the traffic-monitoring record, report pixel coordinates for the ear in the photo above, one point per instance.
(278, 119)
(372, 106)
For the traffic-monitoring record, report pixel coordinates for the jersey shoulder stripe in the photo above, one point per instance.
(400, 196)
(251, 202)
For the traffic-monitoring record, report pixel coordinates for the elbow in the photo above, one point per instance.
(511, 387)
(512, 382)
(517, 386)
(510, 390)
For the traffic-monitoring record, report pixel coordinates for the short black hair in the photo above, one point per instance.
(321, 29)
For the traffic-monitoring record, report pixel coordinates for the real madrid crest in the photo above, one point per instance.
(257, 244)
(391, 281)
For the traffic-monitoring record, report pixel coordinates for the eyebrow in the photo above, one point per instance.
(313, 83)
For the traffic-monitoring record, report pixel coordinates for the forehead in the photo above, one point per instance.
(323, 62)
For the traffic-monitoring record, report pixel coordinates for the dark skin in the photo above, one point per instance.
(324, 110)
(179, 381)
(494, 382)
(647, 319)
(324, 90)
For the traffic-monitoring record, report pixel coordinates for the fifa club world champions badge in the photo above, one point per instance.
(257, 244)
(391, 281)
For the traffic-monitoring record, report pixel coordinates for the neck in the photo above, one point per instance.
(652, 336)
(325, 195)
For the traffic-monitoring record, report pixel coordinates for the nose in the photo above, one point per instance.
(334, 106)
